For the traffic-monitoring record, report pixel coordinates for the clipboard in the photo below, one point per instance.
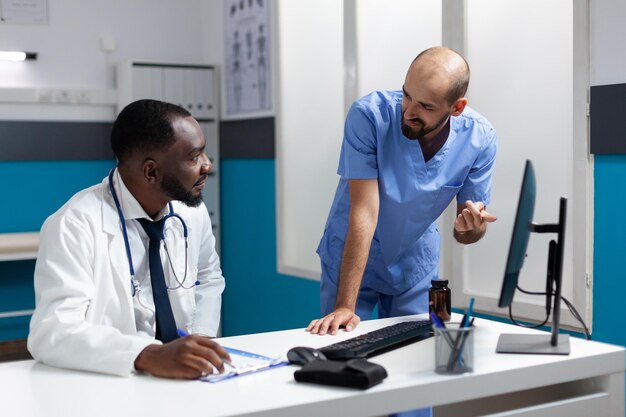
(244, 363)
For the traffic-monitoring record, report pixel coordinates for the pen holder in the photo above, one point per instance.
(454, 349)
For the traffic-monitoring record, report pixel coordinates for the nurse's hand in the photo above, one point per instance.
(331, 323)
(471, 222)
(188, 357)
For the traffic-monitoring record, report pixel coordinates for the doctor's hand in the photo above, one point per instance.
(188, 357)
(330, 323)
(471, 222)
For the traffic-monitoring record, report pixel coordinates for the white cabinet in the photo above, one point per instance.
(191, 87)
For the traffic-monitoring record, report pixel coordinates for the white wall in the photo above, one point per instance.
(388, 35)
(212, 25)
(70, 53)
(522, 82)
(309, 124)
(608, 36)
(518, 82)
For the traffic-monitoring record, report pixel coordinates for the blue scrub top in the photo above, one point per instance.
(413, 193)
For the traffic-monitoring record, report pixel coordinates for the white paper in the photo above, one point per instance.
(243, 363)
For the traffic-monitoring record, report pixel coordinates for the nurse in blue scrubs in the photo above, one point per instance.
(405, 155)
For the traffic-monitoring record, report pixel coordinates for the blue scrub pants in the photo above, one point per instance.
(412, 301)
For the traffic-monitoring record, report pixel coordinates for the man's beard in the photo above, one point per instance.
(413, 134)
(176, 191)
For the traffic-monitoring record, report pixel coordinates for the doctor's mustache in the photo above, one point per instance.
(202, 179)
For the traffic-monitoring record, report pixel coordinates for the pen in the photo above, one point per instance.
(459, 341)
(436, 320)
(229, 363)
(459, 353)
(468, 315)
(183, 333)
(440, 325)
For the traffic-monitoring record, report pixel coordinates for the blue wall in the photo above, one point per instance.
(609, 272)
(257, 298)
(31, 192)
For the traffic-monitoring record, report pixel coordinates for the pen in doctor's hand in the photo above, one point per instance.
(229, 363)
(183, 333)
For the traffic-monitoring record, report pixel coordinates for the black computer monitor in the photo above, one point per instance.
(553, 343)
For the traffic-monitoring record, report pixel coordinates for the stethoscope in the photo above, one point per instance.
(135, 285)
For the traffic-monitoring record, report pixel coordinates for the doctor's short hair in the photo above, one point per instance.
(144, 126)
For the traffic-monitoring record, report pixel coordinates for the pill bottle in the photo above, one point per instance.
(440, 298)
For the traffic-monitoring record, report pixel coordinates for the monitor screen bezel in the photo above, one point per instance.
(522, 227)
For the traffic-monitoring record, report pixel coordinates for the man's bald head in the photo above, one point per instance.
(444, 62)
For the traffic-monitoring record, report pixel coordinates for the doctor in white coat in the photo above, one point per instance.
(89, 314)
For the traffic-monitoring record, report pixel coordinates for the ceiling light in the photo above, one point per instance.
(17, 56)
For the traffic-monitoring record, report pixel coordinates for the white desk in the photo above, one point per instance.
(588, 382)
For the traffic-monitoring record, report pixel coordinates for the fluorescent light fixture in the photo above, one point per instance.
(17, 56)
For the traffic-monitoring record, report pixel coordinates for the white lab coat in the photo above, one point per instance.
(84, 316)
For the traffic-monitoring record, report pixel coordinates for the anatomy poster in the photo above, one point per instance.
(247, 71)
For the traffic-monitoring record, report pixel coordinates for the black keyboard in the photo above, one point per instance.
(380, 341)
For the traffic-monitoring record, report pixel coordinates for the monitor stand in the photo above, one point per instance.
(553, 343)
(539, 344)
